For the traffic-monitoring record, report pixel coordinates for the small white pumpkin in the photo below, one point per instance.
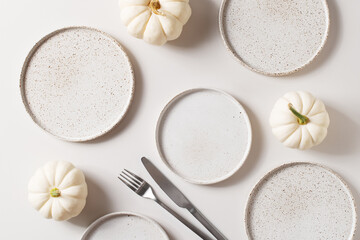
(299, 120)
(58, 190)
(155, 21)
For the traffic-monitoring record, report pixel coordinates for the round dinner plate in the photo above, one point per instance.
(124, 225)
(77, 83)
(274, 37)
(301, 201)
(203, 135)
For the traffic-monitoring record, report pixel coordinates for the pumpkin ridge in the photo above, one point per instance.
(284, 123)
(169, 13)
(138, 16)
(65, 194)
(63, 188)
(313, 115)
(71, 197)
(312, 105)
(47, 202)
(56, 174)
(44, 204)
(287, 137)
(301, 102)
(56, 171)
(162, 28)
(47, 180)
(318, 125)
(301, 138)
(147, 22)
(37, 192)
(48, 198)
(312, 138)
(62, 206)
(51, 209)
(71, 213)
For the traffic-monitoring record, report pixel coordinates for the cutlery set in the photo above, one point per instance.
(143, 189)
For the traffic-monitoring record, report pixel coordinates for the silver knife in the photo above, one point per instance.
(179, 198)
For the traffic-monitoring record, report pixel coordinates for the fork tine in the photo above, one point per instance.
(127, 184)
(131, 176)
(135, 176)
(130, 180)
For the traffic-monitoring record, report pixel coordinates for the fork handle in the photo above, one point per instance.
(184, 221)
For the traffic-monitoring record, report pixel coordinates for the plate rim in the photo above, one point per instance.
(290, 164)
(28, 60)
(110, 215)
(279, 74)
(241, 161)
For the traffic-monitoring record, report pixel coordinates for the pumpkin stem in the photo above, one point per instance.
(302, 120)
(155, 6)
(55, 192)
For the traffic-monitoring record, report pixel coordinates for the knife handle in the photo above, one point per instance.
(207, 224)
(184, 221)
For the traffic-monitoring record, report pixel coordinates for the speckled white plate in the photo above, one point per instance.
(301, 201)
(124, 226)
(274, 37)
(203, 135)
(77, 83)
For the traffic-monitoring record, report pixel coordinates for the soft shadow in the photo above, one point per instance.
(342, 134)
(170, 235)
(135, 105)
(97, 205)
(202, 22)
(254, 155)
(332, 40)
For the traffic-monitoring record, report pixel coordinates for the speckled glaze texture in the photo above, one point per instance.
(274, 37)
(124, 225)
(77, 83)
(203, 135)
(301, 201)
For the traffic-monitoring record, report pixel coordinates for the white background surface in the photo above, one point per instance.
(197, 59)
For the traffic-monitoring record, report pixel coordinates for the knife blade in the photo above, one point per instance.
(179, 198)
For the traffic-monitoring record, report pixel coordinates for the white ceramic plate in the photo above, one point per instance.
(203, 135)
(124, 226)
(301, 201)
(274, 37)
(77, 83)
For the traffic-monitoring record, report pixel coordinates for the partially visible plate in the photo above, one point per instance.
(203, 135)
(124, 226)
(77, 83)
(301, 201)
(274, 37)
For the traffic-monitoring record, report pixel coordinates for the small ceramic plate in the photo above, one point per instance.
(124, 225)
(274, 37)
(301, 201)
(203, 135)
(77, 83)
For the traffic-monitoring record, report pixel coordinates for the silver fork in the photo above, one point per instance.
(142, 188)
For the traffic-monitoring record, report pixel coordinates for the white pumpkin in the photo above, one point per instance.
(58, 190)
(299, 120)
(155, 21)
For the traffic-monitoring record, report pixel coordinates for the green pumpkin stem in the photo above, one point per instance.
(302, 120)
(55, 192)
